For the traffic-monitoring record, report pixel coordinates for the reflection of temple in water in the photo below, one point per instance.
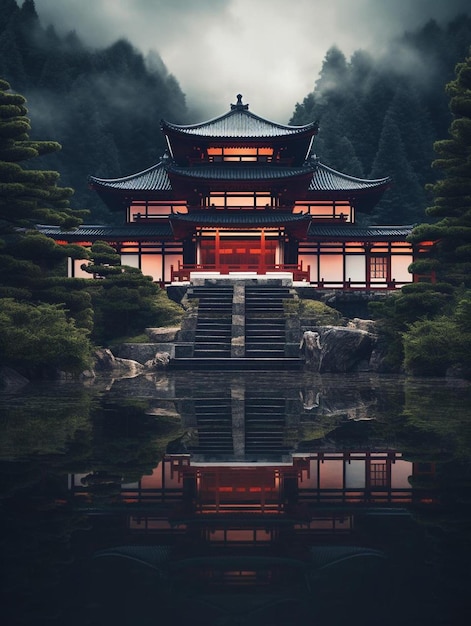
(239, 503)
(240, 461)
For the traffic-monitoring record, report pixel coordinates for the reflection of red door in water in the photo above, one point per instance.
(243, 254)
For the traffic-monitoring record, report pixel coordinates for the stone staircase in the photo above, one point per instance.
(236, 326)
(213, 331)
(265, 335)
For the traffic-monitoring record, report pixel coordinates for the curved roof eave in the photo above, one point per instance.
(240, 173)
(228, 217)
(154, 178)
(326, 178)
(92, 232)
(239, 124)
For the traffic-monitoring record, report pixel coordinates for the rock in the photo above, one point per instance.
(11, 380)
(159, 362)
(163, 334)
(338, 349)
(368, 325)
(142, 352)
(311, 346)
(105, 361)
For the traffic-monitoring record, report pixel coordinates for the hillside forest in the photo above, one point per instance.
(378, 116)
(67, 111)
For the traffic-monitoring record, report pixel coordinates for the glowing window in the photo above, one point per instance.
(378, 266)
(240, 153)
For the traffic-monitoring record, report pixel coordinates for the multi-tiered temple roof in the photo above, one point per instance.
(286, 161)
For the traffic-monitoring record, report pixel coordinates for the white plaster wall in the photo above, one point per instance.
(77, 272)
(309, 260)
(130, 259)
(331, 268)
(355, 267)
(151, 265)
(399, 265)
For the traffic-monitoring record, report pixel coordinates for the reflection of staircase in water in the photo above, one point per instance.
(213, 416)
(265, 422)
(238, 426)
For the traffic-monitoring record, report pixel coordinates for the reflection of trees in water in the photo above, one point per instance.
(114, 438)
(51, 436)
(36, 529)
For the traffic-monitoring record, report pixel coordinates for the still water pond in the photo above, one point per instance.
(237, 498)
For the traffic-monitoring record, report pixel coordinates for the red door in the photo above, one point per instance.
(240, 254)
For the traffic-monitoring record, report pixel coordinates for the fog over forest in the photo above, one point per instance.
(269, 50)
(100, 76)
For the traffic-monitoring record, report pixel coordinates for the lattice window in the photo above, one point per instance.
(379, 267)
(378, 474)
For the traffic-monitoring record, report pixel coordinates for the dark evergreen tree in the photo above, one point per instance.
(124, 300)
(28, 260)
(357, 102)
(124, 95)
(27, 196)
(450, 255)
(403, 203)
(431, 321)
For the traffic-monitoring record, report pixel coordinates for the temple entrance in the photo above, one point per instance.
(254, 254)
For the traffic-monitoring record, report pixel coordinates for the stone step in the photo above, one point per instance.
(264, 354)
(211, 354)
(236, 364)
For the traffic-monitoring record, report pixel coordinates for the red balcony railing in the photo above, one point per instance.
(183, 270)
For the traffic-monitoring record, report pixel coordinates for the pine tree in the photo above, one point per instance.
(27, 196)
(451, 253)
(403, 203)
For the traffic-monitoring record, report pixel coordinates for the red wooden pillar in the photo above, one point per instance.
(262, 264)
(368, 264)
(217, 244)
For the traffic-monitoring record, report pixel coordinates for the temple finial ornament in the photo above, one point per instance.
(239, 106)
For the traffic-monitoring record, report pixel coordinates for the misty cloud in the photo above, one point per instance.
(271, 51)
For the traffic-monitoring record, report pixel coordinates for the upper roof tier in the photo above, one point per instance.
(165, 180)
(239, 128)
(239, 123)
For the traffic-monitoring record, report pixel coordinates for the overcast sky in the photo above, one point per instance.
(271, 51)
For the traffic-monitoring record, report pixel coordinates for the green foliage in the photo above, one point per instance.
(432, 346)
(452, 193)
(45, 326)
(27, 196)
(431, 322)
(125, 301)
(385, 113)
(318, 312)
(104, 106)
(41, 337)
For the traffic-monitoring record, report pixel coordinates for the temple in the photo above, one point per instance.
(240, 194)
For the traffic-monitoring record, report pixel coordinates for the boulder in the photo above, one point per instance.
(142, 352)
(11, 380)
(163, 334)
(159, 362)
(338, 349)
(361, 324)
(105, 361)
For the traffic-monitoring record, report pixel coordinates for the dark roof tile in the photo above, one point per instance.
(160, 228)
(346, 231)
(153, 179)
(239, 123)
(328, 179)
(239, 172)
(229, 216)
